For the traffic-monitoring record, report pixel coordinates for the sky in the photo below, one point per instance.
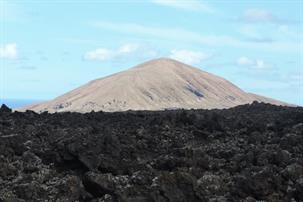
(50, 47)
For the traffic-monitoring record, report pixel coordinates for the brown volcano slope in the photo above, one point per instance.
(154, 85)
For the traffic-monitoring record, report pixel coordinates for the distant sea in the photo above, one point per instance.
(16, 103)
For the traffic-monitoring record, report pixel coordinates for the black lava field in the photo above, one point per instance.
(247, 153)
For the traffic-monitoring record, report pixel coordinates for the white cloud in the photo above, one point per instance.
(191, 5)
(189, 57)
(258, 15)
(196, 37)
(249, 31)
(260, 64)
(245, 61)
(286, 31)
(9, 51)
(137, 51)
(264, 16)
(167, 33)
(99, 54)
(126, 50)
(252, 33)
(253, 63)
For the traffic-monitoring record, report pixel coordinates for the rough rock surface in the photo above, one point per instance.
(247, 153)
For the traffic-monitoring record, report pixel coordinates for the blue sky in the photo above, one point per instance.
(50, 47)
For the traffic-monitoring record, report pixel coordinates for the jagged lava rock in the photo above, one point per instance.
(247, 153)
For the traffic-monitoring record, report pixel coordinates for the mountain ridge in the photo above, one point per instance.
(153, 85)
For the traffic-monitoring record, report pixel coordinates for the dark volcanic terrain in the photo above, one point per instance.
(247, 153)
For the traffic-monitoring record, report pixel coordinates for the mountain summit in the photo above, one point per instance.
(154, 85)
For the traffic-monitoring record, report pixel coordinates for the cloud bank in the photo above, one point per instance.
(9, 51)
(195, 37)
(124, 51)
(190, 5)
(252, 63)
(189, 57)
(263, 16)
